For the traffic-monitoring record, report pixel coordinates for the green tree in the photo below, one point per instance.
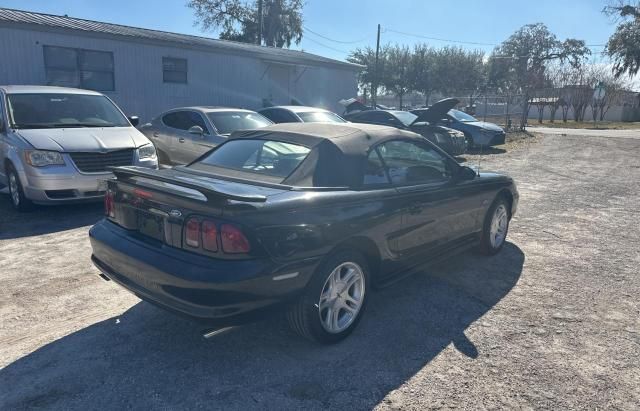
(521, 61)
(397, 68)
(369, 76)
(421, 71)
(239, 21)
(624, 45)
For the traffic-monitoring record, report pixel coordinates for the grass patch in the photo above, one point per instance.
(587, 125)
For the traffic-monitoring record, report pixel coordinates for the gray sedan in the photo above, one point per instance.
(183, 134)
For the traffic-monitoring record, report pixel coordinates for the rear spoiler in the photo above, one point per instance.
(210, 191)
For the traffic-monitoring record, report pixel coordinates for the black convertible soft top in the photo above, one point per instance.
(338, 153)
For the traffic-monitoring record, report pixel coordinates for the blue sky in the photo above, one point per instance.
(487, 21)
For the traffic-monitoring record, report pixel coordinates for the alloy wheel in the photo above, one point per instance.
(499, 225)
(341, 297)
(14, 189)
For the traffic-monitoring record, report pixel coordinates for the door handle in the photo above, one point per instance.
(181, 139)
(155, 134)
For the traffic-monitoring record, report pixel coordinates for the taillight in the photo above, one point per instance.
(233, 240)
(109, 206)
(209, 236)
(193, 233)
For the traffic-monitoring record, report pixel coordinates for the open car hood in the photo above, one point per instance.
(352, 105)
(437, 111)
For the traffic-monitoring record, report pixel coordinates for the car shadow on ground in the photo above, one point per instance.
(45, 219)
(147, 358)
(485, 151)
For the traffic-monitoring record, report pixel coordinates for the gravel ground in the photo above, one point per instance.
(550, 322)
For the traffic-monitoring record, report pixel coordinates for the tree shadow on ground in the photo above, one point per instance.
(45, 219)
(147, 358)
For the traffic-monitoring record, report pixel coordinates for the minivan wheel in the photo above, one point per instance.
(496, 226)
(334, 301)
(16, 193)
(163, 158)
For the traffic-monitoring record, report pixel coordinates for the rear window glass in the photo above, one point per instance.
(320, 117)
(261, 157)
(227, 122)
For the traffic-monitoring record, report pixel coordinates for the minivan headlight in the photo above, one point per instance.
(41, 158)
(148, 151)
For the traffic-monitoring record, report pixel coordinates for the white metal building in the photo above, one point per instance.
(148, 71)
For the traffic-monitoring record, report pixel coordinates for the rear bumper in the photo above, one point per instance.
(219, 292)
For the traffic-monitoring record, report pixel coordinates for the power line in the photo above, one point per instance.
(439, 39)
(333, 40)
(325, 46)
(475, 43)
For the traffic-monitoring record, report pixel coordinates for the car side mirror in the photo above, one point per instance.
(197, 130)
(134, 120)
(466, 173)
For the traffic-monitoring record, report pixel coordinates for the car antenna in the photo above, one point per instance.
(479, 160)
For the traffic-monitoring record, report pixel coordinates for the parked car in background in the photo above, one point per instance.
(305, 217)
(451, 141)
(183, 134)
(477, 133)
(300, 114)
(57, 144)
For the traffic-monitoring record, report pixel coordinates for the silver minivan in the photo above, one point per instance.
(57, 143)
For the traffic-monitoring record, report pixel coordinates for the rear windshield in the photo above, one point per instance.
(49, 110)
(406, 117)
(227, 122)
(272, 159)
(320, 117)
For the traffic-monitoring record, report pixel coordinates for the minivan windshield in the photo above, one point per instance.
(51, 110)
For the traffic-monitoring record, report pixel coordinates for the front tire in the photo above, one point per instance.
(496, 226)
(334, 301)
(163, 158)
(16, 193)
(469, 141)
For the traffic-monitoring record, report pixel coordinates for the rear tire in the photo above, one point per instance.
(16, 193)
(496, 227)
(334, 301)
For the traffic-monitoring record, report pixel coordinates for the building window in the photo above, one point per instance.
(89, 69)
(174, 70)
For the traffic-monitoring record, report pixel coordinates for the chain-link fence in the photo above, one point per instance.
(503, 110)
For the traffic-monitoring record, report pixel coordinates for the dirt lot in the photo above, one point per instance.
(551, 322)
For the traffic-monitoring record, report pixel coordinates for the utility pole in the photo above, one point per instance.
(374, 89)
(259, 22)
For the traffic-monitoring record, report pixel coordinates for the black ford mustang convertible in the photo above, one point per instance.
(307, 218)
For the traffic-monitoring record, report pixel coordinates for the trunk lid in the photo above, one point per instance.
(155, 204)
